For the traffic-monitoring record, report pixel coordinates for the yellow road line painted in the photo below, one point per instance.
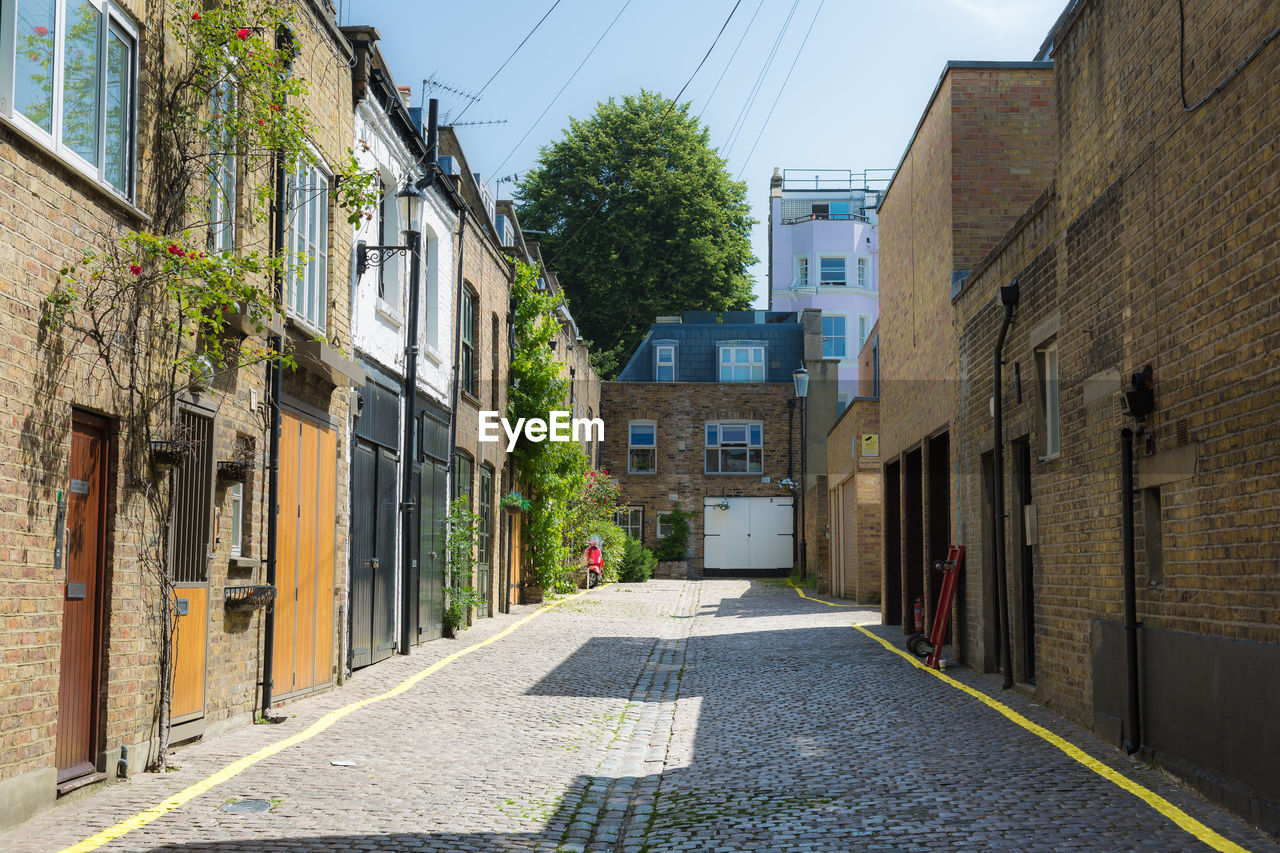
(1075, 753)
(238, 766)
(1151, 798)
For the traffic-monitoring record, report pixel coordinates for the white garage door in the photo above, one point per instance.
(752, 533)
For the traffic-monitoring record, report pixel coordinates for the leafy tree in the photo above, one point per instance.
(642, 219)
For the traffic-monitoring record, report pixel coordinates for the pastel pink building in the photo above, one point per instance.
(824, 254)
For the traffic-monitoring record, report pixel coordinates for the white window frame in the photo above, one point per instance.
(864, 330)
(752, 363)
(842, 336)
(663, 524)
(307, 295)
(235, 495)
(626, 518)
(864, 274)
(652, 448)
(842, 401)
(843, 259)
(801, 271)
(713, 433)
(658, 363)
(112, 21)
(223, 178)
(1049, 399)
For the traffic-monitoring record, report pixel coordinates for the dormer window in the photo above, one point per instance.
(664, 363)
(741, 362)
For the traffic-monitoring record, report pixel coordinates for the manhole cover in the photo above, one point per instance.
(248, 807)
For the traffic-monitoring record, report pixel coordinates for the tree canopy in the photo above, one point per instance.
(641, 218)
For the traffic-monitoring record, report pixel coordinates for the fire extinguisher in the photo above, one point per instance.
(919, 614)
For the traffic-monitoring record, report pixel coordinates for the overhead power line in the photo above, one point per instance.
(660, 123)
(551, 103)
(741, 121)
(785, 80)
(732, 57)
(509, 58)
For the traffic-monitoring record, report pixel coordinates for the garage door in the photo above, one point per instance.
(747, 534)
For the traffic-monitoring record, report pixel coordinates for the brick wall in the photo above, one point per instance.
(854, 505)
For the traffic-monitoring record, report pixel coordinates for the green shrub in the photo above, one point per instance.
(676, 544)
(638, 562)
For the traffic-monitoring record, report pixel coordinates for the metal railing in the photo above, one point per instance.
(809, 217)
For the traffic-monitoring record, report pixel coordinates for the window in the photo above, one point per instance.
(462, 470)
(864, 328)
(386, 209)
(467, 362)
(308, 250)
(820, 209)
(494, 363)
(484, 535)
(642, 447)
(236, 494)
(71, 81)
(832, 271)
(1047, 364)
(664, 525)
(842, 400)
(631, 520)
(735, 447)
(834, 338)
(741, 363)
(802, 271)
(863, 280)
(839, 210)
(664, 363)
(222, 173)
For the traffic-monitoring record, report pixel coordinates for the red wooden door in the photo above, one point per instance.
(85, 550)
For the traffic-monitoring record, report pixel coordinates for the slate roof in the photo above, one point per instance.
(697, 338)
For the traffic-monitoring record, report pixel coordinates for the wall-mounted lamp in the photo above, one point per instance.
(409, 201)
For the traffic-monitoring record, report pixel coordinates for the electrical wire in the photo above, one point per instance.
(541, 115)
(741, 120)
(662, 121)
(1182, 74)
(785, 80)
(509, 58)
(732, 57)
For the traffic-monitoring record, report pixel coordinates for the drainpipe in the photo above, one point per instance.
(275, 343)
(1133, 734)
(1009, 297)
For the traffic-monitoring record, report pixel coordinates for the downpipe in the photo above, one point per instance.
(1133, 710)
(1009, 297)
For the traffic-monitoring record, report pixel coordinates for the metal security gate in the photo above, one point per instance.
(374, 513)
(747, 534)
(191, 535)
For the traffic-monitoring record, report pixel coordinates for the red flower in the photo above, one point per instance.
(175, 250)
(242, 34)
(135, 269)
(42, 31)
(195, 16)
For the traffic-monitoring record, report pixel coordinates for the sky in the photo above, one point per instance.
(860, 72)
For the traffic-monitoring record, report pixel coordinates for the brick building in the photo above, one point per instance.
(82, 635)
(1153, 246)
(703, 417)
(855, 488)
(982, 151)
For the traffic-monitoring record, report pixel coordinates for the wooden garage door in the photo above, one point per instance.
(305, 554)
(849, 537)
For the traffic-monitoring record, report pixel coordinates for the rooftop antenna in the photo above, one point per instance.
(470, 123)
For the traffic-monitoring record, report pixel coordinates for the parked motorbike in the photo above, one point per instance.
(595, 564)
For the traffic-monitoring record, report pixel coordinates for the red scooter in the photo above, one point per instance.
(595, 564)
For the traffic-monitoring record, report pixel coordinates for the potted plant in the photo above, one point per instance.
(168, 454)
(458, 606)
(515, 502)
(238, 467)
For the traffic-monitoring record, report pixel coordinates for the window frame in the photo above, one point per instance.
(863, 272)
(843, 336)
(658, 350)
(864, 330)
(223, 174)
(484, 513)
(632, 447)
(624, 517)
(316, 200)
(800, 270)
(235, 497)
(467, 343)
(660, 520)
(751, 363)
(1048, 398)
(113, 20)
(844, 262)
(718, 446)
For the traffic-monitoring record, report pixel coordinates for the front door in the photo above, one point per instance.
(84, 546)
(373, 553)
(433, 501)
(191, 533)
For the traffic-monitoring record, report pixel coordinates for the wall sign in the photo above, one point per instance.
(870, 444)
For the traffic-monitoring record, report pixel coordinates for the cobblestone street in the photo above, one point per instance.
(714, 715)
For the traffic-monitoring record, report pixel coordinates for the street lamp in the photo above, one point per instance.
(409, 203)
(801, 379)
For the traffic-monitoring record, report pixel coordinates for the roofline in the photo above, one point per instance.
(960, 64)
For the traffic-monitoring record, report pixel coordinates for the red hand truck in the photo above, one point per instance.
(930, 648)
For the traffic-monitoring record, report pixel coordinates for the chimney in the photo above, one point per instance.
(406, 96)
(776, 180)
